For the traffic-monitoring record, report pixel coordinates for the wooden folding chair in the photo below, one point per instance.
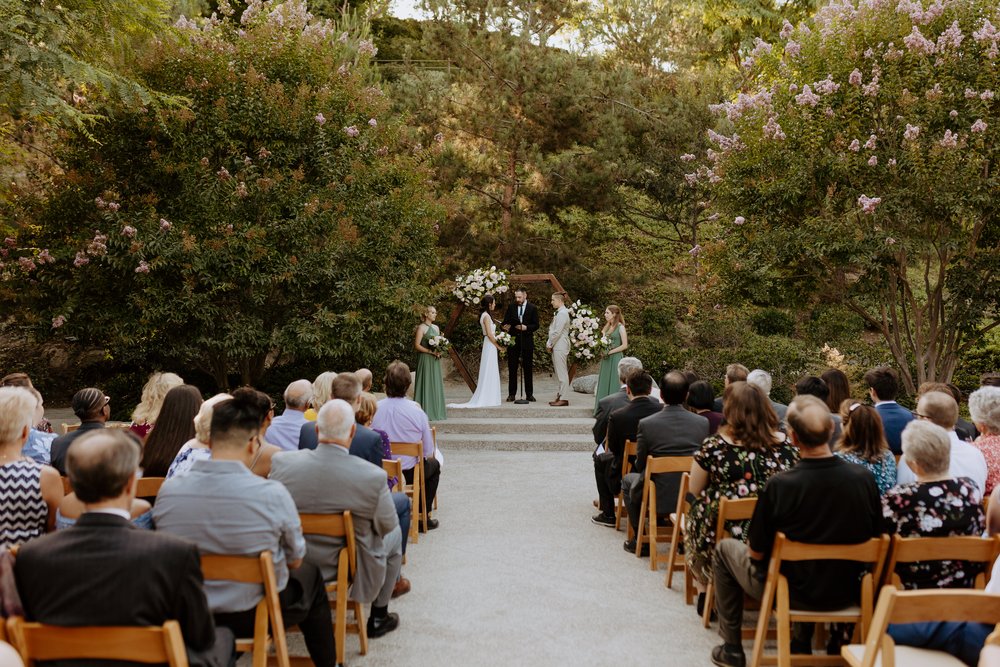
(679, 520)
(418, 489)
(148, 487)
(872, 553)
(730, 509)
(340, 526)
(36, 641)
(69, 428)
(627, 457)
(920, 606)
(655, 465)
(923, 549)
(254, 570)
(67, 487)
(394, 468)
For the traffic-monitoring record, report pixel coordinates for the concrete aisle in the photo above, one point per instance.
(517, 575)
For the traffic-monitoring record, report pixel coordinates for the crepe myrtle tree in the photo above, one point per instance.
(859, 165)
(279, 214)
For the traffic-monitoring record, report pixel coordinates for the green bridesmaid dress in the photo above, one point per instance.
(607, 382)
(428, 390)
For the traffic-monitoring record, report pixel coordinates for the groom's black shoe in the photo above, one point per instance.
(510, 399)
(531, 398)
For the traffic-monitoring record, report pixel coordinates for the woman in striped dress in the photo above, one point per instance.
(29, 492)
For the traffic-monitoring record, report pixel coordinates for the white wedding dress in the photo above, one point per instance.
(488, 389)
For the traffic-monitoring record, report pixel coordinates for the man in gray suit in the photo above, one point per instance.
(673, 431)
(558, 347)
(762, 379)
(327, 480)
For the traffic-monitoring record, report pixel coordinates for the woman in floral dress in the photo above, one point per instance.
(734, 463)
(936, 505)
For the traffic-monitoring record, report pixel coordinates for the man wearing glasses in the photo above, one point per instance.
(92, 407)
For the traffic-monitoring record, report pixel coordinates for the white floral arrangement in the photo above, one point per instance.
(470, 289)
(505, 339)
(439, 344)
(585, 333)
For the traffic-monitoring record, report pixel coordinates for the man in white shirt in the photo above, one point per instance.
(285, 428)
(966, 459)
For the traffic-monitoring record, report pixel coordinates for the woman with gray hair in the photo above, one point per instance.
(936, 505)
(984, 406)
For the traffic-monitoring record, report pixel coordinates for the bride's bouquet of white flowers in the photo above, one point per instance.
(505, 339)
(585, 332)
(470, 289)
(439, 344)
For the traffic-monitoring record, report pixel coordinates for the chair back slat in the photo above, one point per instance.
(38, 642)
(394, 468)
(148, 487)
(333, 525)
(947, 604)
(628, 455)
(731, 509)
(242, 569)
(656, 465)
(924, 549)
(414, 449)
(868, 551)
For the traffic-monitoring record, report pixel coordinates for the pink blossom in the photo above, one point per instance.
(949, 141)
(773, 130)
(98, 246)
(714, 216)
(792, 88)
(892, 162)
(870, 144)
(953, 113)
(44, 257)
(142, 268)
(695, 251)
(970, 94)
(739, 220)
(873, 161)
(890, 241)
(367, 47)
(113, 206)
(80, 260)
(786, 30)
(855, 146)
(917, 43)
(868, 204)
(128, 230)
(352, 131)
(855, 78)
(165, 224)
(793, 48)
(987, 33)
(951, 38)
(807, 96)
(203, 162)
(979, 126)
(241, 189)
(687, 157)
(827, 86)
(27, 264)
(986, 95)
(320, 118)
(100, 203)
(912, 132)
(58, 321)
(439, 138)
(372, 122)
(691, 179)
(869, 52)
(223, 174)
(760, 47)
(871, 89)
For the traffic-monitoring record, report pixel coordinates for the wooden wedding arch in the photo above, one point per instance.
(513, 280)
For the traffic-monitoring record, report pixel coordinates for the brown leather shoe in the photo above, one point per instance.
(559, 404)
(402, 587)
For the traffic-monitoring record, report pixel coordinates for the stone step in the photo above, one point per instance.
(516, 442)
(467, 425)
(537, 410)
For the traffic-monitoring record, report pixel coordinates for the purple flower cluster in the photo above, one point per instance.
(868, 204)
(128, 231)
(949, 140)
(988, 33)
(807, 96)
(352, 131)
(979, 126)
(143, 267)
(918, 44)
(58, 321)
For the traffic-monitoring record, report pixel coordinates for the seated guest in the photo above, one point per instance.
(322, 392)
(936, 505)
(762, 379)
(984, 406)
(101, 572)
(366, 378)
(363, 415)
(612, 402)
(225, 509)
(673, 431)
(71, 507)
(38, 447)
(734, 463)
(404, 421)
(91, 407)
(883, 387)
(623, 424)
(22, 380)
(966, 460)
(154, 392)
(30, 492)
(327, 480)
(174, 427)
(839, 387)
(285, 428)
(863, 442)
(260, 465)
(814, 386)
(821, 500)
(734, 373)
(196, 449)
(966, 430)
(367, 444)
(700, 400)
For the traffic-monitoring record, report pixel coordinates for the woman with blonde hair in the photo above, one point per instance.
(863, 442)
(614, 331)
(156, 388)
(322, 392)
(428, 389)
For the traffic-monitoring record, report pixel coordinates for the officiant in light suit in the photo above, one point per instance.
(558, 345)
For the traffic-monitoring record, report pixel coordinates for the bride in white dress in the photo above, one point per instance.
(488, 389)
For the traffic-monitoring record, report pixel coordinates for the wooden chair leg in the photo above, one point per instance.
(654, 534)
(340, 607)
(424, 509)
(763, 620)
(359, 617)
(675, 538)
(784, 626)
(619, 505)
(689, 589)
(709, 604)
(640, 529)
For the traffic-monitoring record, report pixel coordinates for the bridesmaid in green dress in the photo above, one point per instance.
(614, 329)
(428, 390)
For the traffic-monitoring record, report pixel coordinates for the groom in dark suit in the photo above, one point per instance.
(521, 322)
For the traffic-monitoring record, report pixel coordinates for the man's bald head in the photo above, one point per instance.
(366, 378)
(298, 394)
(940, 408)
(101, 463)
(810, 420)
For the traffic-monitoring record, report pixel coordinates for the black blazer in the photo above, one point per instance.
(605, 407)
(623, 424)
(367, 444)
(672, 432)
(526, 338)
(103, 571)
(61, 444)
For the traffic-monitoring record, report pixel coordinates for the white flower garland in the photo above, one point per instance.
(470, 289)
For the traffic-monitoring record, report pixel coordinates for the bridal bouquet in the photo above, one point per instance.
(585, 332)
(471, 288)
(439, 344)
(505, 339)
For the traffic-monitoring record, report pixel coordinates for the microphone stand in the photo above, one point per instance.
(520, 364)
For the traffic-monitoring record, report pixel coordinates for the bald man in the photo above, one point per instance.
(822, 500)
(966, 459)
(285, 428)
